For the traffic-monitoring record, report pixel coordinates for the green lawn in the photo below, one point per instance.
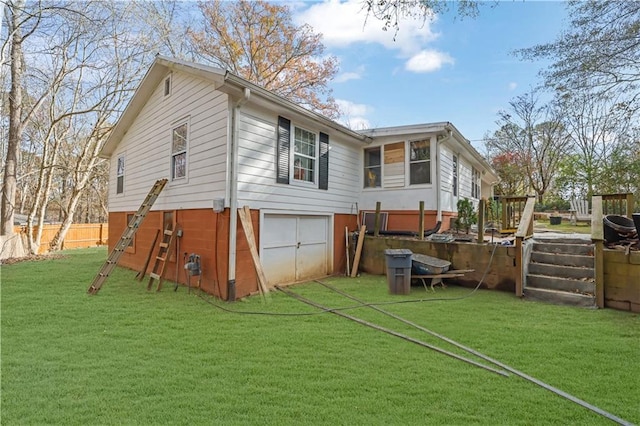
(564, 227)
(126, 356)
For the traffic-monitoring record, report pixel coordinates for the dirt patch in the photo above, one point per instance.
(32, 258)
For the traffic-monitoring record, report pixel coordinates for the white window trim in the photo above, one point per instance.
(407, 178)
(455, 176)
(124, 159)
(184, 179)
(373, 188)
(476, 183)
(292, 144)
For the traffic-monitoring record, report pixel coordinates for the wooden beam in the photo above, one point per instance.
(346, 239)
(597, 237)
(143, 271)
(247, 226)
(421, 221)
(519, 267)
(376, 226)
(356, 259)
(481, 207)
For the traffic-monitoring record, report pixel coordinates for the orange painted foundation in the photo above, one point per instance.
(206, 233)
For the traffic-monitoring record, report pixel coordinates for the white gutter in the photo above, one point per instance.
(233, 195)
(438, 174)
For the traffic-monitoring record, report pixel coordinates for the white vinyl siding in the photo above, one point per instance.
(148, 147)
(257, 185)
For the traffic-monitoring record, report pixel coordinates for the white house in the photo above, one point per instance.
(223, 142)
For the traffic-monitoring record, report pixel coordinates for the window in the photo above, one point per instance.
(167, 85)
(372, 168)
(310, 155)
(179, 152)
(455, 175)
(120, 175)
(305, 154)
(475, 183)
(419, 163)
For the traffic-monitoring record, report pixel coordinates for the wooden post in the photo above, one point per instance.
(356, 257)
(597, 237)
(630, 205)
(247, 226)
(519, 271)
(376, 226)
(421, 224)
(481, 206)
(505, 207)
(140, 275)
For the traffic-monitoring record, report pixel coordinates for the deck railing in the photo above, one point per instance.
(620, 204)
(597, 237)
(512, 211)
(524, 231)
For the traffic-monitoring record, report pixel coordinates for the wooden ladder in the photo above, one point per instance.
(164, 252)
(127, 235)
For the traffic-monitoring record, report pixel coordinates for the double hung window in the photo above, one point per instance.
(179, 151)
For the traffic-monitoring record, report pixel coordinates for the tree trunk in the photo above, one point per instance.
(9, 182)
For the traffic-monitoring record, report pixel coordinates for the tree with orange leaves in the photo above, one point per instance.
(258, 41)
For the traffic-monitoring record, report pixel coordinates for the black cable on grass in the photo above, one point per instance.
(550, 388)
(394, 333)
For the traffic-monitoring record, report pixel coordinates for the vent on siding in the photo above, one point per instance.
(167, 85)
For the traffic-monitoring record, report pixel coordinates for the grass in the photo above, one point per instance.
(133, 357)
(564, 227)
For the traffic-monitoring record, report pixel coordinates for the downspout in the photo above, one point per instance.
(233, 195)
(438, 174)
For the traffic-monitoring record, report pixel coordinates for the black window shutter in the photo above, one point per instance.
(283, 149)
(323, 180)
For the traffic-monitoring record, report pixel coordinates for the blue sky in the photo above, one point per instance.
(451, 69)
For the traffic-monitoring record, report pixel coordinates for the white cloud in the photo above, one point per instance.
(513, 86)
(343, 23)
(350, 75)
(354, 115)
(427, 61)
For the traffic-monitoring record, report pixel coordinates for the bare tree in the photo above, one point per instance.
(79, 71)
(595, 124)
(599, 52)
(536, 136)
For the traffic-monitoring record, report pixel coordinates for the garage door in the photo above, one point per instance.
(294, 248)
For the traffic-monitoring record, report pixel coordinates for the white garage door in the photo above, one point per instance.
(294, 248)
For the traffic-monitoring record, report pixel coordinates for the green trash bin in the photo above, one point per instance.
(398, 270)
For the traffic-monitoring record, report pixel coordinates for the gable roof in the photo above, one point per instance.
(224, 81)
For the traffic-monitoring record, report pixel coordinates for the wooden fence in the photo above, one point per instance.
(79, 235)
